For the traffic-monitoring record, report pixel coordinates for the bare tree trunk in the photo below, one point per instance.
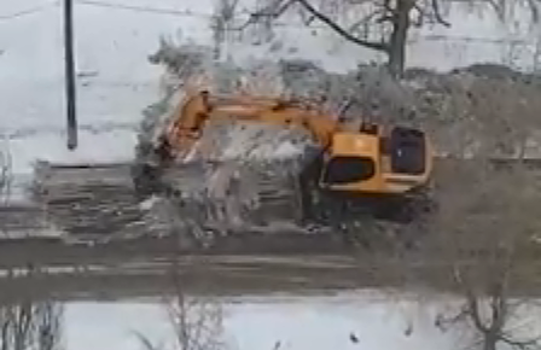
(398, 39)
(489, 341)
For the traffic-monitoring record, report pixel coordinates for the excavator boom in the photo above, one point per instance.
(198, 109)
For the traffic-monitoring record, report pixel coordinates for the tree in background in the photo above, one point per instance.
(25, 322)
(380, 25)
(196, 321)
(486, 246)
(222, 22)
(28, 322)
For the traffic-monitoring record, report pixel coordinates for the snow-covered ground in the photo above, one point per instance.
(316, 323)
(355, 320)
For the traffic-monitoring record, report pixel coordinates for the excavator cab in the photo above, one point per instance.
(377, 161)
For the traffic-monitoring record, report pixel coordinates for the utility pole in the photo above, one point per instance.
(71, 96)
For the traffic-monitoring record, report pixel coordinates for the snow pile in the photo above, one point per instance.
(191, 68)
(232, 163)
(224, 197)
(475, 110)
(484, 111)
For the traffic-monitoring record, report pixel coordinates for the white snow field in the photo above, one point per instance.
(315, 323)
(355, 320)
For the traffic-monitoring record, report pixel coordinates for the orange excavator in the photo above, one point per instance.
(363, 168)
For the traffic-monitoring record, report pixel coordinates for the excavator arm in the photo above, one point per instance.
(198, 109)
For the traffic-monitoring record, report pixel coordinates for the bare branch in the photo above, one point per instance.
(146, 343)
(499, 8)
(366, 20)
(441, 321)
(272, 11)
(534, 9)
(437, 14)
(387, 6)
(385, 18)
(422, 12)
(221, 23)
(29, 324)
(520, 344)
(275, 9)
(196, 323)
(379, 46)
(278, 8)
(473, 311)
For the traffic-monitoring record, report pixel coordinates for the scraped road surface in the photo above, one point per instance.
(75, 267)
(145, 268)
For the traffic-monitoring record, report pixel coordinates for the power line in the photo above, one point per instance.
(29, 11)
(467, 39)
(145, 9)
(170, 12)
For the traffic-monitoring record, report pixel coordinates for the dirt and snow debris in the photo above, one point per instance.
(232, 163)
